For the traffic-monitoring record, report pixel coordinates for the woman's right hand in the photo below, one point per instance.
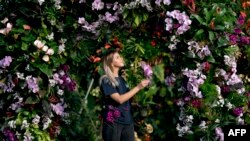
(144, 83)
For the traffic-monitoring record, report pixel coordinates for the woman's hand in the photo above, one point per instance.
(144, 83)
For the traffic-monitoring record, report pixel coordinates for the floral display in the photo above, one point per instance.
(196, 55)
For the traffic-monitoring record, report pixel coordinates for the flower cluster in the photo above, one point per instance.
(62, 46)
(112, 114)
(26, 126)
(136, 136)
(147, 70)
(62, 79)
(173, 43)
(186, 128)
(25, 123)
(237, 37)
(96, 92)
(227, 83)
(41, 46)
(196, 49)
(219, 134)
(8, 27)
(107, 17)
(139, 3)
(165, 2)
(59, 108)
(30, 82)
(10, 134)
(230, 77)
(5, 62)
(183, 22)
(149, 128)
(56, 3)
(170, 80)
(221, 101)
(195, 79)
(97, 5)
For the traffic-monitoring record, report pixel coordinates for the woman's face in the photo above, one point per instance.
(117, 61)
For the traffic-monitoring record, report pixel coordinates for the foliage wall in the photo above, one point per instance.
(196, 54)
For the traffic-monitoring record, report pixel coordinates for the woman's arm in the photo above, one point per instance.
(125, 97)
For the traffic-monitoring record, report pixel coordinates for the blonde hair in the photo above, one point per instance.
(107, 60)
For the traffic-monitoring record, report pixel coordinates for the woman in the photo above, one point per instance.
(118, 123)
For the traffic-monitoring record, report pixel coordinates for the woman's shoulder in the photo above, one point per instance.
(104, 79)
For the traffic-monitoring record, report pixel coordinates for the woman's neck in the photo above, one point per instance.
(116, 72)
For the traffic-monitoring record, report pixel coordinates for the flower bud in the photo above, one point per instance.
(46, 58)
(45, 48)
(9, 25)
(26, 27)
(5, 20)
(50, 51)
(39, 44)
(149, 128)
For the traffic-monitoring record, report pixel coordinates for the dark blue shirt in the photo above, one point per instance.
(124, 114)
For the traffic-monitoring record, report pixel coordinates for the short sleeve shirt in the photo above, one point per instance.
(113, 111)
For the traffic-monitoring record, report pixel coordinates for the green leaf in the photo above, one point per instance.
(236, 99)
(139, 48)
(247, 51)
(199, 34)
(31, 100)
(222, 42)
(148, 95)
(152, 90)
(145, 16)
(125, 14)
(163, 91)
(20, 22)
(137, 20)
(198, 18)
(158, 71)
(28, 38)
(170, 90)
(57, 60)
(211, 59)
(220, 27)
(207, 15)
(2, 42)
(231, 50)
(43, 68)
(211, 35)
(247, 119)
(151, 102)
(24, 46)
